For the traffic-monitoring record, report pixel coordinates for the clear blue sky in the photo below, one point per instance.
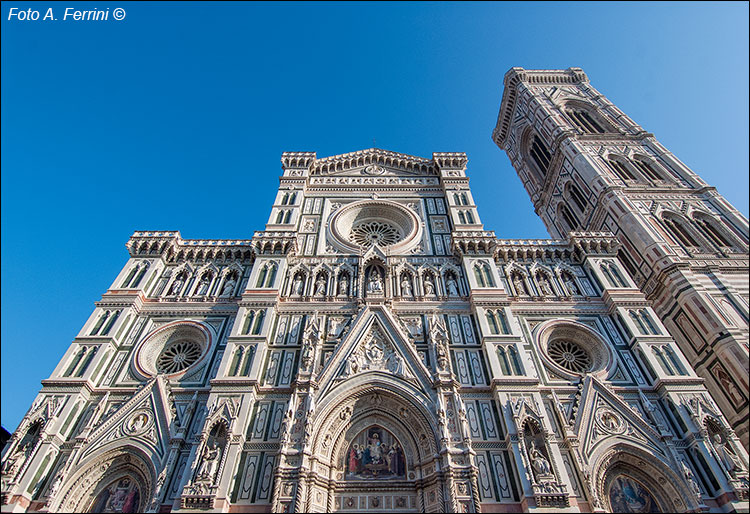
(175, 119)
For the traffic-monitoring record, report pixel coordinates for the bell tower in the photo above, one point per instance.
(588, 167)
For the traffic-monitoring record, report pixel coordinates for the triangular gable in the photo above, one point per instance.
(605, 415)
(374, 335)
(145, 418)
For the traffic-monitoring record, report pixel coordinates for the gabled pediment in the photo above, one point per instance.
(145, 418)
(373, 162)
(377, 344)
(604, 415)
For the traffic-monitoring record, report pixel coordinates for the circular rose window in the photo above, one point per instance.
(375, 232)
(173, 349)
(177, 356)
(369, 222)
(569, 355)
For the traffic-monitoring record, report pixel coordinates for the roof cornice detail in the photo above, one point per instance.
(370, 156)
(513, 78)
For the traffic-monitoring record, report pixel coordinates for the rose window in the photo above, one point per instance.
(372, 232)
(569, 355)
(178, 356)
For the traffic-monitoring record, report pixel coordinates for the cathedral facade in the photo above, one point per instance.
(376, 349)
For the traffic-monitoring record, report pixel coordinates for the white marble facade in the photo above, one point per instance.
(376, 349)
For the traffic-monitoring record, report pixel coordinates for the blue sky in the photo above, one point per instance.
(175, 119)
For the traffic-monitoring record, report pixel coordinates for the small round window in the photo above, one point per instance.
(177, 356)
(569, 355)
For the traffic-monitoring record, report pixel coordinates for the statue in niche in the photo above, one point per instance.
(452, 286)
(544, 284)
(570, 284)
(15, 461)
(176, 286)
(343, 286)
(406, 286)
(538, 461)
(429, 286)
(203, 286)
(519, 285)
(228, 289)
(55, 487)
(439, 337)
(210, 463)
(727, 457)
(375, 283)
(690, 478)
(297, 286)
(727, 385)
(320, 286)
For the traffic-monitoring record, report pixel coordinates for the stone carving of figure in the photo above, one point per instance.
(203, 286)
(228, 288)
(307, 353)
(176, 286)
(297, 286)
(138, 423)
(538, 462)
(544, 284)
(727, 457)
(15, 461)
(343, 286)
(518, 284)
(728, 385)
(429, 286)
(375, 284)
(55, 487)
(570, 284)
(210, 462)
(320, 286)
(452, 286)
(406, 287)
(690, 479)
(395, 364)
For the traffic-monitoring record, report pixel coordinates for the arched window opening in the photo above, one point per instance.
(540, 155)
(647, 364)
(288, 216)
(271, 275)
(86, 361)
(504, 362)
(569, 219)
(258, 323)
(130, 276)
(285, 199)
(503, 322)
(262, 276)
(110, 323)
(478, 275)
(666, 366)
(462, 217)
(712, 232)
(464, 199)
(292, 198)
(637, 319)
(679, 232)
(584, 121)
(99, 323)
(674, 360)
(469, 217)
(248, 322)
(515, 360)
(647, 169)
(280, 217)
(76, 360)
(488, 275)
(141, 273)
(577, 197)
(649, 323)
(456, 199)
(492, 322)
(234, 367)
(619, 280)
(622, 171)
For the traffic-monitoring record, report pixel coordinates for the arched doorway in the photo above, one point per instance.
(120, 480)
(629, 479)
